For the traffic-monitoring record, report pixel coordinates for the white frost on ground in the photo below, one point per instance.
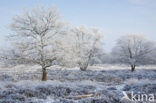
(21, 84)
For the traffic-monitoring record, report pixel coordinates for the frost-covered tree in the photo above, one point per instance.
(37, 37)
(133, 50)
(152, 57)
(84, 45)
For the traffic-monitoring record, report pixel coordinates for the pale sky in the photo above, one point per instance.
(114, 17)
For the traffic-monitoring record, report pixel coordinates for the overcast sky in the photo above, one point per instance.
(114, 17)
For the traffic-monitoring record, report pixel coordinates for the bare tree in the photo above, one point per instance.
(152, 57)
(37, 37)
(84, 45)
(132, 49)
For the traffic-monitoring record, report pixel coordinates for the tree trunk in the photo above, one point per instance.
(132, 68)
(84, 67)
(44, 74)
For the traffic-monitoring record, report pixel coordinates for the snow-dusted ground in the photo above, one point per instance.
(101, 84)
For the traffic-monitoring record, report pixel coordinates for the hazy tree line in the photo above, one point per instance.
(40, 37)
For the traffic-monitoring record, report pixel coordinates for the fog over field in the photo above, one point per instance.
(82, 51)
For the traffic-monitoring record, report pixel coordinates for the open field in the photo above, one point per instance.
(99, 84)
